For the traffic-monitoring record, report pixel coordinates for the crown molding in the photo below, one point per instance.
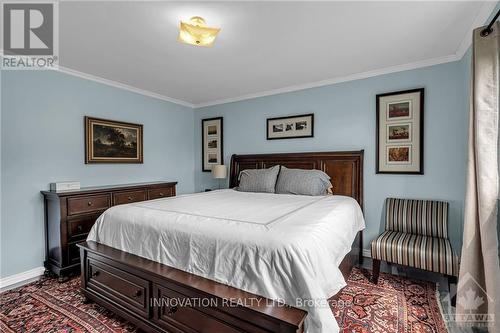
(482, 16)
(120, 85)
(352, 77)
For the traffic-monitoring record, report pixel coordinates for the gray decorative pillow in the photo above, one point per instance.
(302, 182)
(258, 180)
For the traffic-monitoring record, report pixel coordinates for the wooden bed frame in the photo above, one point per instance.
(159, 298)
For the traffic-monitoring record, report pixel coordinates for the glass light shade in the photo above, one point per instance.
(197, 33)
(219, 171)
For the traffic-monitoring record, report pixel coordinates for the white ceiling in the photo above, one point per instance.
(263, 47)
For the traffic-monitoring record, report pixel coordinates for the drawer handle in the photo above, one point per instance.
(172, 310)
(89, 203)
(161, 193)
(79, 227)
(95, 274)
(138, 293)
(129, 198)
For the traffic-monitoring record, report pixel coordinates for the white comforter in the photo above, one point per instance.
(285, 247)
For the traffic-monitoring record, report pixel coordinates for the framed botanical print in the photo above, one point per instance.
(291, 127)
(110, 141)
(400, 132)
(212, 143)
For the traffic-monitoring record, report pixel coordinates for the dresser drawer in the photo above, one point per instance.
(186, 318)
(79, 228)
(87, 204)
(162, 192)
(129, 197)
(74, 252)
(122, 288)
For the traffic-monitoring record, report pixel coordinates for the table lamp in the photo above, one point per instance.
(219, 172)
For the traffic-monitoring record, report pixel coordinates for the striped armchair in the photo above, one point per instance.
(416, 235)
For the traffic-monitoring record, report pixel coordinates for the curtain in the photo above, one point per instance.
(478, 290)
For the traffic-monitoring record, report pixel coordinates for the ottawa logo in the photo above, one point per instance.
(472, 309)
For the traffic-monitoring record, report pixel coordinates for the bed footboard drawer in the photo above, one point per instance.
(161, 299)
(127, 290)
(179, 311)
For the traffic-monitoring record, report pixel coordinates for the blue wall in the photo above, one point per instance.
(344, 116)
(41, 137)
(42, 142)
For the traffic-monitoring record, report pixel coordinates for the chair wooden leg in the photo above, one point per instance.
(452, 280)
(375, 270)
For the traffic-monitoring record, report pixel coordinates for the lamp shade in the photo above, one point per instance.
(219, 171)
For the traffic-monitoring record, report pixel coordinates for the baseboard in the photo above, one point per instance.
(16, 280)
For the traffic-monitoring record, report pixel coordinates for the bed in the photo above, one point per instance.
(235, 251)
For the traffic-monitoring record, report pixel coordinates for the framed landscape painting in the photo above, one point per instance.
(400, 132)
(211, 143)
(110, 141)
(291, 127)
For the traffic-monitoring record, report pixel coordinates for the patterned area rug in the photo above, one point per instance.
(396, 305)
(50, 306)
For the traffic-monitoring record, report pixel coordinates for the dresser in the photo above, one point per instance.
(69, 216)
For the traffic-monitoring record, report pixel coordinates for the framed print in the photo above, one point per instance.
(399, 110)
(291, 127)
(398, 155)
(110, 141)
(212, 143)
(400, 132)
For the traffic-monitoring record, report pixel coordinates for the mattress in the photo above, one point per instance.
(283, 247)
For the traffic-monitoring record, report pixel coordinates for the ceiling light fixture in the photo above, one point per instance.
(197, 33)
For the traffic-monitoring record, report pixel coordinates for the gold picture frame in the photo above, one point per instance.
(111, 141)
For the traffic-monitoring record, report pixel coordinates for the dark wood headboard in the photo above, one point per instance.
(345, 168)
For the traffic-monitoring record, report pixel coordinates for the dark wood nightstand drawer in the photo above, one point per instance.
(121, 198)
(74, 252)
(125, 289)
(162, 192)
(87, 204)
(79, 228)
